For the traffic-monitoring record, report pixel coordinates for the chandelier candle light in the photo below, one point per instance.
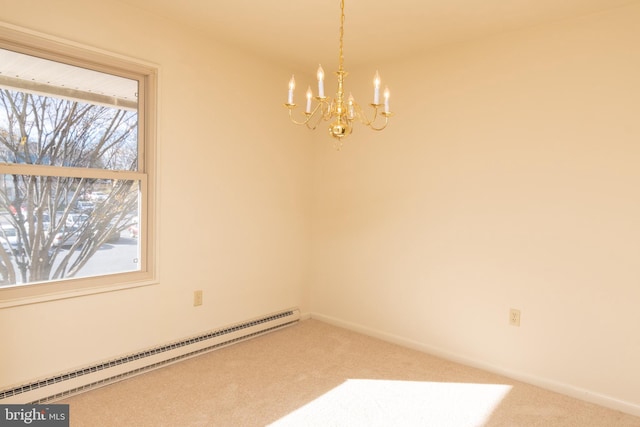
(342, 111)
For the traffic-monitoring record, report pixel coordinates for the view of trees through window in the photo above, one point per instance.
(68, 208)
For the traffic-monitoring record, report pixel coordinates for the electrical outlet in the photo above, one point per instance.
(514, 317)
(197, 298)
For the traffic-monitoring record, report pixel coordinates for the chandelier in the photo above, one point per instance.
(340, 110)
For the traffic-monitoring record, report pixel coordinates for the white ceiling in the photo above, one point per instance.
(301, 33)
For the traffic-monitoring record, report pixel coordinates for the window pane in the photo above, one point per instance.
(77, 170)
(66, 227)
(56, 114)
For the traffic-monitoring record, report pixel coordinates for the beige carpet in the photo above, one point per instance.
(315, 374)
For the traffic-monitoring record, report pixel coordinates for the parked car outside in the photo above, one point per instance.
(46, 222)
(67, 237)
(7, 248)
(71, 229)
(76, 219)
(9, 239)
(85, 206)
(98, 196)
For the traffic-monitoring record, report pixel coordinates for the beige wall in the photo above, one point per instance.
(509, 178)
(233, 198)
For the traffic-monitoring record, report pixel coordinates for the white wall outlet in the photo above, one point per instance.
(514, 317)
(197, 298)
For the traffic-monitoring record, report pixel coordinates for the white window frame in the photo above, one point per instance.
(47, 47)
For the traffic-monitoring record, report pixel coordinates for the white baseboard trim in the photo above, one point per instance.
(305, 316)
(566, 389)
(63, 384)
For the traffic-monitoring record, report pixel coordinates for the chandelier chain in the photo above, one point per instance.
(341, 54)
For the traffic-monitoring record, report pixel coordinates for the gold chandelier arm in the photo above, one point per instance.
(372, 123)
(321, 111)
(386, 122)
(328, 109)
(290, 107)
(319, 114)
(362, 116)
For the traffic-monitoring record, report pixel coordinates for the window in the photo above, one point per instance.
(76, 170)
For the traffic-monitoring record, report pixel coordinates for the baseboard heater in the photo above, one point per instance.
(83, 379)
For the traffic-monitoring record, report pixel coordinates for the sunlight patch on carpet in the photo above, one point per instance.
(359, 402)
